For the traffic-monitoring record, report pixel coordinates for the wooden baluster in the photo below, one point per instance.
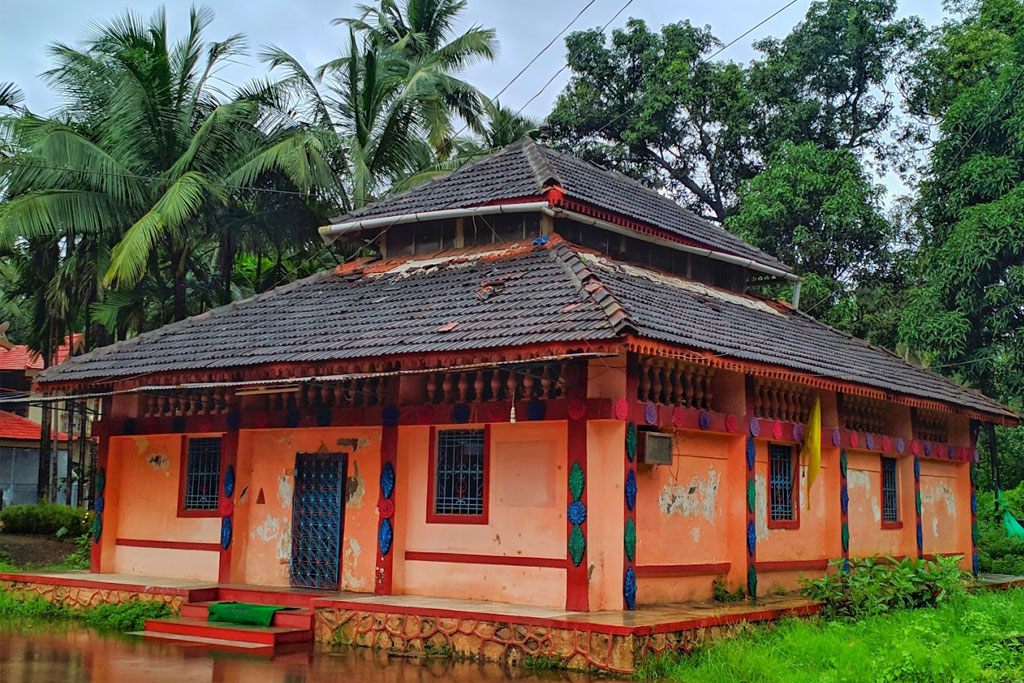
(447, 387)
(512, 384)
(645, 380)
(656, 383)
(710, 388)
(698, 389)
(546, 382)
(528, 382)
(496, 385)
(463, 386)
(478, 386)
(431, 388)
(563, 380)
(337, 393)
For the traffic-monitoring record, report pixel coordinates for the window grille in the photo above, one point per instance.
(202, 476)
(459, 475)
(890, 496)
(780, 464)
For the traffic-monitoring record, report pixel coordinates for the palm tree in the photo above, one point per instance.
(423, 32)
(10, 96)
(147, 152)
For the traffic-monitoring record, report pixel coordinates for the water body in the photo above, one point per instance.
(70, 653)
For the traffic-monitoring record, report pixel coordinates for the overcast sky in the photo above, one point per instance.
(303, 29)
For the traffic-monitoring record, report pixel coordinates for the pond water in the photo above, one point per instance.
(69, 653)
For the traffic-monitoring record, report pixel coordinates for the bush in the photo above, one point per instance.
(45, 518)
(126, 616)
(875, 586)
(997, 552)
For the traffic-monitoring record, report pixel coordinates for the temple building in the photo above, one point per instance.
(549, 387)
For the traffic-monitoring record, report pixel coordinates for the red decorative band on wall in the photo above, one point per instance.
(505, 560)
(653, 570)
(790, 565)
(167, 545)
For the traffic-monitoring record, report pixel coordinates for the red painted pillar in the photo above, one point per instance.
(228, 477)
(577, 593)
(99, 495)
(383, 576)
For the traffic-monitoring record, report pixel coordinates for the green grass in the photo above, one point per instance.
(960, 641)
(127, 616)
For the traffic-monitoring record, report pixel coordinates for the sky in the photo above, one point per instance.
(304, 29)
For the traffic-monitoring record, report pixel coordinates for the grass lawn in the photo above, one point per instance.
(970, 639)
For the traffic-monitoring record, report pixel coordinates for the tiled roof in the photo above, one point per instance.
(22, 358)
(20, 428)
(546, 293)
(527, 168)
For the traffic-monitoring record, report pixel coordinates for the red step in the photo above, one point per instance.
(289, 618)
(259, 596)
(264, 635)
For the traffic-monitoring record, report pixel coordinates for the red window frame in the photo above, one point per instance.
(898, 523)
(483, 517)
(183, 478)
(793, 523)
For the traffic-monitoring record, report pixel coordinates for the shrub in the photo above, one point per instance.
(45, 518)
(875, 585)
(998, 553)
(126, 616)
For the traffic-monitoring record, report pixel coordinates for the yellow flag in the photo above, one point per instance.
(810, 453)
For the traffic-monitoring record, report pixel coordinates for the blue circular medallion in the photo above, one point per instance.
(705, 420)
(389, 416)
(460, 413)
(536, 410)
(650, 414)
(229, 481)
(900, 445)
(755, 427)
(292, 418)
(577, 512)
(323, 416)
(234, 421)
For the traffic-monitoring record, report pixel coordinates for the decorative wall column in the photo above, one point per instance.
(918, 531)
(228, 463)
(99, 495)
(629, 521)
(844, 510)
(751, 525)
(974, 512)
(384, 574)
(577, 592)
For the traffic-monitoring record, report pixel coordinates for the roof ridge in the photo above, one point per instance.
(589, 282)
(543, 170)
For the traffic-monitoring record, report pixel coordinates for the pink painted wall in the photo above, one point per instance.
(266, 461)
(146, 471)
(606, 454)
(864, 484)
(809, 541)
(946, 508)
(527, 502)
(689, 513)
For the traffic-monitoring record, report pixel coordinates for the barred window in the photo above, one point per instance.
(890, 494)
(202, 474)
(459, 473)
(781, 469)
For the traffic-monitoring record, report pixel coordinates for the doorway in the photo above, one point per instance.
(317, 520)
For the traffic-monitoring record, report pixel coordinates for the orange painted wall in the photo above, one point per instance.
(864, 484)
(527, 502)
(809, 541)
(946, 508)
(146, 471)
(690, 512)
(266, 461)
(606, 453)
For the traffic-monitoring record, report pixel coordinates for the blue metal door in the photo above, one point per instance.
(317, 520)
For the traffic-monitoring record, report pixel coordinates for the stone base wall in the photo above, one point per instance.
(508, 643)
(80, 597)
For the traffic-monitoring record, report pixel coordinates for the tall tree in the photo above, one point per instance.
(145, 152)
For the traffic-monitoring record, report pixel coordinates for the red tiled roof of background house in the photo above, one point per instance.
(20, 428)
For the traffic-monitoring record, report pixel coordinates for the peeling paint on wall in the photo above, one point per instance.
(695, 534)
(349, 580)
(698, 498)
(284, 543)
(857, 479)
(268, 530)
(935, 527)
(285, 488)
(141, 444)
(940, 492)
(761, 507)
(160, 463)
(355, 487)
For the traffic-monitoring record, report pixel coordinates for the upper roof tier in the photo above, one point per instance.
(527, 169)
